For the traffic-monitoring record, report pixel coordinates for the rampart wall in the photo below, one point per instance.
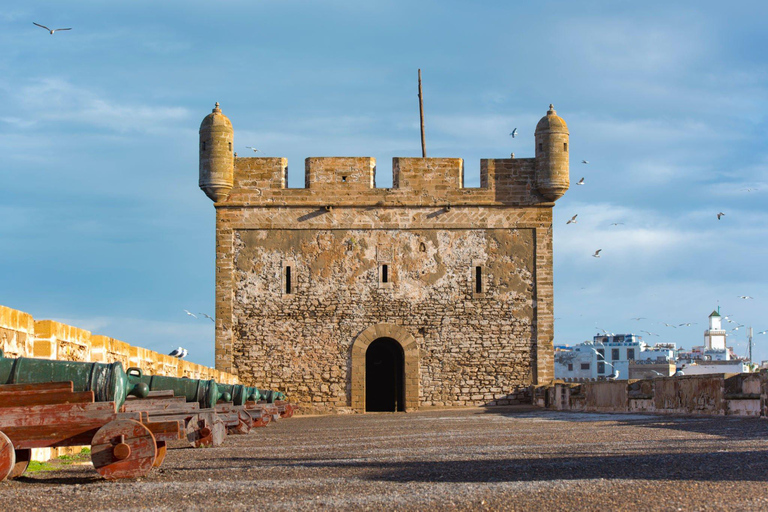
(742, 394)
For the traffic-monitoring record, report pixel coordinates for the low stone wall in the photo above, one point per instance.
(743, 394)
(23, 336)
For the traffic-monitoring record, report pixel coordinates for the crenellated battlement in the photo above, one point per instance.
(330, 181)
(350, 181)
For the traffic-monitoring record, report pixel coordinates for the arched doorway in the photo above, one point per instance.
(384, 376)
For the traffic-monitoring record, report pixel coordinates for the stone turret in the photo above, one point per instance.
(217, 162)
(552, 156)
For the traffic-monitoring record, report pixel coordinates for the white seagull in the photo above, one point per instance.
(209, 317)
(745, 297)
(584, 162)
(581, 181)
(687, 324)
(514, 133)
(617, 224)
(720, 215)
(597, 253)
(181, 353)
(763, 332)
(669, 325)
(51, 30)
(573, 219)
(190, 314)
(254, 149)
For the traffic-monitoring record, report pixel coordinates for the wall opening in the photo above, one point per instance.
(478, 279)
(288, 279)
(385, 273)
(384, 376)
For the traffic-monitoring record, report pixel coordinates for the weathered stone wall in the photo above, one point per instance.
(744, 394)
(472, 348)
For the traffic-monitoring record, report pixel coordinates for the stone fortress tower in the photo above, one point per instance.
(345, 295)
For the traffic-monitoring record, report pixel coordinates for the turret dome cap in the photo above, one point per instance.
(552, 122)
(216, 119)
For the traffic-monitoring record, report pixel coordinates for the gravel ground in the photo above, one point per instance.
(504, 458)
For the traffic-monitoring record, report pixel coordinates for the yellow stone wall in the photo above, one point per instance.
(23, 336)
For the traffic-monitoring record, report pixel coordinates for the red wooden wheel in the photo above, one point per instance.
(123, 449)
(7, 456)
(23, 457)
(244, 423)
(162, 448)
(211, 430)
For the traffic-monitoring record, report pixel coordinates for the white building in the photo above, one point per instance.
(606, 356)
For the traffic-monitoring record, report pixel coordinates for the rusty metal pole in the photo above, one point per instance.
(421, 115)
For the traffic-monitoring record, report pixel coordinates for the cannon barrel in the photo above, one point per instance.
(238, 393)
(254, 395)
(271, 395)
(204, 392)
(108, 381)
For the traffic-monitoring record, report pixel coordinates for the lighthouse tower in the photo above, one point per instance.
(714, 337)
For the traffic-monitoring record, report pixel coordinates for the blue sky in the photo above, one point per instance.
(104, 226)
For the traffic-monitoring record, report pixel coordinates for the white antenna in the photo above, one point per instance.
(750, 348)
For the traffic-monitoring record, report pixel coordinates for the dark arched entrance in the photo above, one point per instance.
(384, 382)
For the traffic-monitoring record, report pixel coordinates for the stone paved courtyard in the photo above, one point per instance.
(495, 459)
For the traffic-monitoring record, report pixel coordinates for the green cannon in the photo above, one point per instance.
(254, 395)
(270, 396)
(108, 381)
(238, 394)
(204, 392)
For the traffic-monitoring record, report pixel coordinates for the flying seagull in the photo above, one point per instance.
(669, 325)
(209, 317)
(745, 297)
(181, 353)
(617, 224)
(190, 314)
(254, 149)
(581, 181)
(638, 318)
(720, 215)
(597, 253)
(687, 324)
(584, 162)
(514, 133)
(650, 333)
(573, 219)
(763, 332)
(49, 29)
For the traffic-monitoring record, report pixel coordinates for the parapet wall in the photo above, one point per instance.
(742, 394)
(341, 181)
(23, 336)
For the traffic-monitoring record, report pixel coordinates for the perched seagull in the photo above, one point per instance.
(745, 297)
(581, 181)
(190, 314)
(181, 353)
(720, 215)
(573, 219)
(50, 30)
(514, 133)
(614, 375)
(584, 162)
(254, 149)
(209, 317)
(617, 224)
(597, 253)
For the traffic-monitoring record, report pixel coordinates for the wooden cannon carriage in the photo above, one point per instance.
(52, 415)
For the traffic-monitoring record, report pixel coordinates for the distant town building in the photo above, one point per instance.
(610, 357)
(712, 357)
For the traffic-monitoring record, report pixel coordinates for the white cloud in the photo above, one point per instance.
(57, 100)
